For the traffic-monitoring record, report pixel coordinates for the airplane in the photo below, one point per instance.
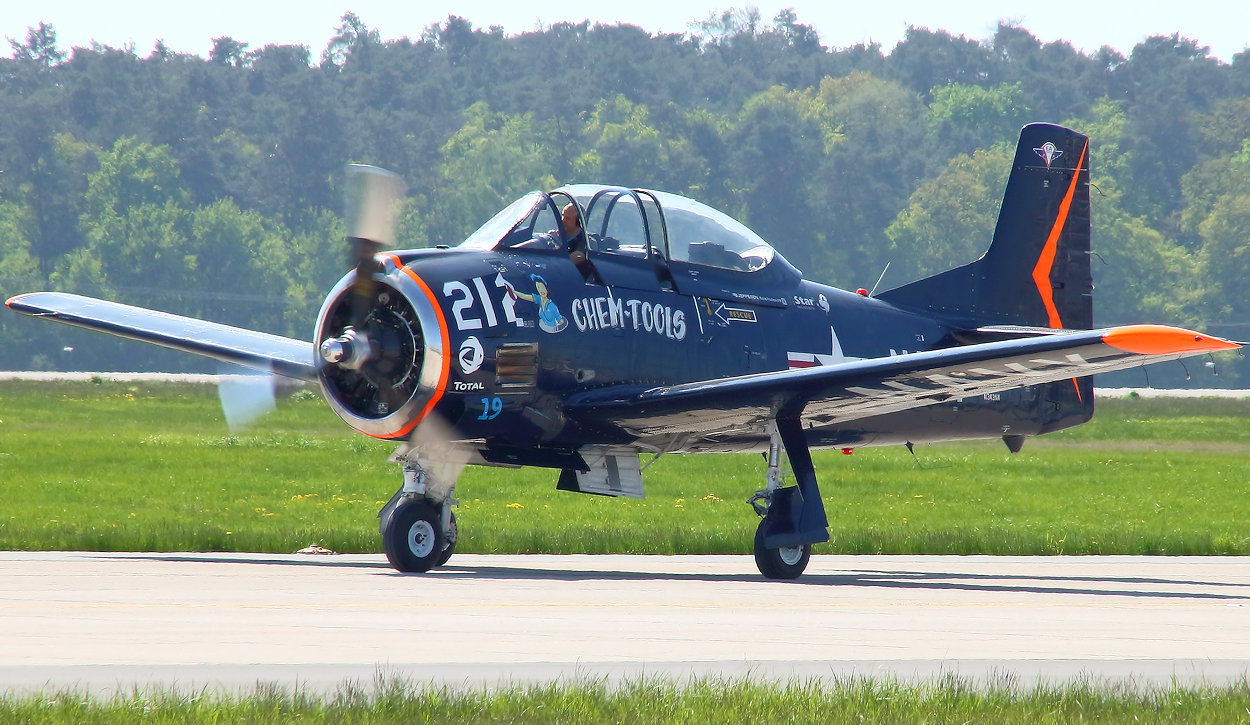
(582, 328)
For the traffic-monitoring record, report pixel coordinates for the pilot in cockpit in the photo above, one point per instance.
(570, 220)
(573, 231)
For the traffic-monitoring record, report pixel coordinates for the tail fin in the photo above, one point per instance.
(1036, 271)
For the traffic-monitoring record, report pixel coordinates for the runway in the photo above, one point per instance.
(106, 622)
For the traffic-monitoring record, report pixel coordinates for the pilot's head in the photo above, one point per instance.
(568, 218)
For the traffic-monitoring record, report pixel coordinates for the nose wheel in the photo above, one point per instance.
(414, 538)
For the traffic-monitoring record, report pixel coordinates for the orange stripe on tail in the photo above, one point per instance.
(1041, 272)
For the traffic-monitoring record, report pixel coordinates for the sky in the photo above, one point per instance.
(190, 26)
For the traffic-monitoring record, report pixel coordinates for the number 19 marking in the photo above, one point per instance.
(491, 408)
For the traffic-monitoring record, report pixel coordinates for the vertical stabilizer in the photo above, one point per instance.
(1036, 271)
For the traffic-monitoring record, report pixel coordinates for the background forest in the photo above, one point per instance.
(210, 186)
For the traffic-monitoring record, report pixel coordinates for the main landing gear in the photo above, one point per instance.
(417, 525)
(792, 517)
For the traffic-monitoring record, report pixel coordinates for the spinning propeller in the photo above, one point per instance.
(373, 197)
(373, 344)
(372, 350)
(377, 345)
(246, 395)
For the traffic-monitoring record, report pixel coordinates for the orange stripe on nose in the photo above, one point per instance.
(1163, 340)
(445, 369)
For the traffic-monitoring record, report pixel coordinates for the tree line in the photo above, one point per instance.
(211, 186)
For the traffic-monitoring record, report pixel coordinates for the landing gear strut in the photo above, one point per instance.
(417, 525)
(793, 517)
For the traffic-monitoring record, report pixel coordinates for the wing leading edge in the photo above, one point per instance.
(864, 388)
(249, 348)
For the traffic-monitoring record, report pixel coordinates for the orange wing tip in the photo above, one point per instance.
(1163, 340)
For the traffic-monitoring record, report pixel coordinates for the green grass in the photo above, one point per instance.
(145, 466)
(660, 701)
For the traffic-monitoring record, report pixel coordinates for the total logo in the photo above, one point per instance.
(471, 355)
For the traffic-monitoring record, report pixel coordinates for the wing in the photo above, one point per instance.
(860, 389)
(249, 348)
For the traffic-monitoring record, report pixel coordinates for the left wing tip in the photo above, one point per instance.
(1164, 340)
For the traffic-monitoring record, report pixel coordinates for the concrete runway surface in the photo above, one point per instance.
(106, 622)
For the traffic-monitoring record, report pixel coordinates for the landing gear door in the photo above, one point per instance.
(610, 471)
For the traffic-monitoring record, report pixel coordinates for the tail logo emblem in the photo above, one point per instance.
(1048, 152)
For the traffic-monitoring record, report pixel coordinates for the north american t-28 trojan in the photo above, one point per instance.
(581, 328)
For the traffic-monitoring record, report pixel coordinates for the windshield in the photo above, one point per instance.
(489, 234)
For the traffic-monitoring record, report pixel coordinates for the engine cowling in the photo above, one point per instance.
(384, 368)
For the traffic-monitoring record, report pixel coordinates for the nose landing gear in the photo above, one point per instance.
(417, 525)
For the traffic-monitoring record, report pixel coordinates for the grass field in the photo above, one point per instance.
(152, 466)
(145, 466)
(661, 701)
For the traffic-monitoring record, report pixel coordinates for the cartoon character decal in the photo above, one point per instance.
(549, 317)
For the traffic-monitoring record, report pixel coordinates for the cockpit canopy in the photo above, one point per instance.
(630, 222)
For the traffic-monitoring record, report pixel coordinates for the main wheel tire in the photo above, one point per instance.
(788, 562)
(414, 538)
